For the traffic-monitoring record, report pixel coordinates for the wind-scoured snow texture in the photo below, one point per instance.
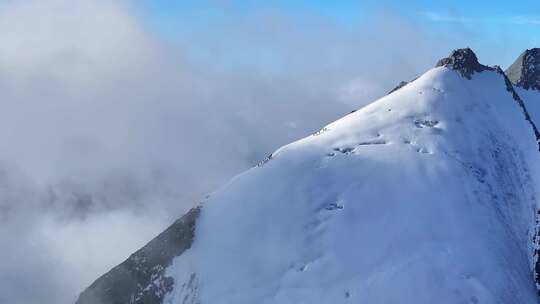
(531, 98)
(424, 196)
(525, 74)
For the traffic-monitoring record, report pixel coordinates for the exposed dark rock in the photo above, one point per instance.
(463, 61)
(536, 236)
(525, 71)
(536, 252)
(372, 142)
(425, 123)
(141, 278)
(265, 160)
(321, 131)
(334, 206)
(510, 88)
(399, 86)
(402, 84)
(345, 150)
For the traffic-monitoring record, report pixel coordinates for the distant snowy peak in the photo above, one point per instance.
(525, 71)
(464, 61)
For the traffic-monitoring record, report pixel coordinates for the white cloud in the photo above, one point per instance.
(361, 89)
(107, 134)
(525, 20)
(443, 17)
(499, 19)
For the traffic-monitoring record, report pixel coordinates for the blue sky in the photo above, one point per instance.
(497, 30)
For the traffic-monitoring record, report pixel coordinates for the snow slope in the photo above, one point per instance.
(425, 196)
(531, 98)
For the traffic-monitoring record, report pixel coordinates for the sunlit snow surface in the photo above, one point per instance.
(424, 196)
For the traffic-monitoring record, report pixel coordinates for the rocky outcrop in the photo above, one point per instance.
(463, 61)
(400, 85)
(525, 71)
(141, 278)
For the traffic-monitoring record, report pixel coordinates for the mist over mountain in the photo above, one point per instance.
(118, 117)
(110, 133)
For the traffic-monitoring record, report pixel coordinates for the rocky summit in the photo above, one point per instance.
(464, 61)
(525, 71)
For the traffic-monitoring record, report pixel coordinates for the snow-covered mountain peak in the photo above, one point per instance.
(427, 195)
(525, 71)
(464, 61)
(424, 196)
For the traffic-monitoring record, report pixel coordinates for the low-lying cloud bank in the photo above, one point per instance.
(107, 134)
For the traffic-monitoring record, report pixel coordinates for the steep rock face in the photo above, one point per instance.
(400, 85)
(525, 71)
(141, 279)
(464, 61)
